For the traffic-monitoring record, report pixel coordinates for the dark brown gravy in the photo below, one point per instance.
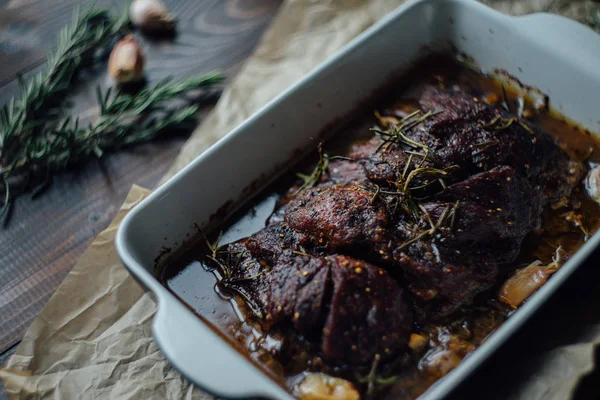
(187, 276)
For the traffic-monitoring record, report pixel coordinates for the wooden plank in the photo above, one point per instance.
(46, 236)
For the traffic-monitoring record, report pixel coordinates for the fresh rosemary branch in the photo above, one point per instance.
(500, 123)
(41, 100)
(37, 140)
(24, 123)
(125, 119)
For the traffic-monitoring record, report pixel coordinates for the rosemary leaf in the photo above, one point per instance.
(315, 176)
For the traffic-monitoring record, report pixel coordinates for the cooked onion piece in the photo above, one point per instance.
(528, 280)
(325, 387)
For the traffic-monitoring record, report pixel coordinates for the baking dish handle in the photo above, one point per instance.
(562, 34)
(208, 360)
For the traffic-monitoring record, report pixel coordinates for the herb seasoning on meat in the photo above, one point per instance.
(381, 269)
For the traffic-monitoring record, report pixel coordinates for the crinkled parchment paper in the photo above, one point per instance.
(93, 338)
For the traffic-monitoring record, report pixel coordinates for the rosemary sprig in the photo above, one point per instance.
(125, 119)
(215, 247)
(314, 177)
(373, 380)
(228, 261)
(24, 121)
(453, 213)
(433, 227)
(499, 123)
(396, 134)
(41, 98)
(424, 170)
(485, 145)
(301, 253)
(37, 140)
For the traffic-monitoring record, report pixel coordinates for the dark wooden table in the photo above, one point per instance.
(46, 236)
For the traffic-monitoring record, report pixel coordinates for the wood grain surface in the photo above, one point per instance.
(46, 236)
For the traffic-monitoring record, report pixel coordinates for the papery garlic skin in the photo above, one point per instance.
(528, 280)
(592, 184)
(151, 15)
(126, 62)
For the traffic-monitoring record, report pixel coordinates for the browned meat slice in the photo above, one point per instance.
(442, 278)
(367, 316)
(479, 138)
(270, 243)
(453, 107)
(338, 172)
(352, 309)
(342, 219)
(343, 172)
(493, 211)
(483, 222)
(296, 291)
(439, 286)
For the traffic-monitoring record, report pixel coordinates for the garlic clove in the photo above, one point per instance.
(151, 15)
(324, 387)
(592, 184)
(523, 284)
(528, 280)
(126, 61)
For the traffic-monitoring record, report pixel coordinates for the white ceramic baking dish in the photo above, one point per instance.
(554, 54)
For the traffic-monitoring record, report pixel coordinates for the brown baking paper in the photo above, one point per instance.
(93, 338)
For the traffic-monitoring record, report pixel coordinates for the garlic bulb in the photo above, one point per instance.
(528, 280)
(126, 62)
(592, 184)
(151, 15)
(325, 387)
